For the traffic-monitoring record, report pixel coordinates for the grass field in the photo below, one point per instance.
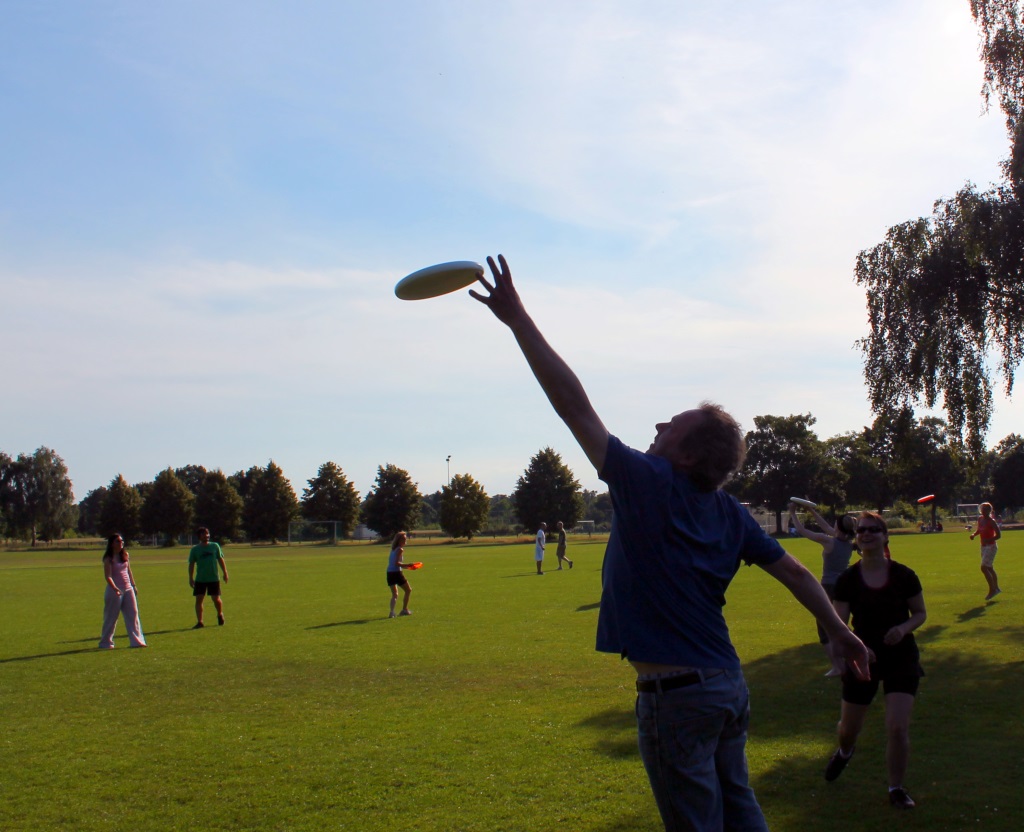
(488, 709)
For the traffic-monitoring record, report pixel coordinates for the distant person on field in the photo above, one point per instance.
(676, 542)
(836, 548)
(560, 550)
(395, 576)
(538, 549)
(119, 596)
(887, 604)
(989, 532)
(202, 575)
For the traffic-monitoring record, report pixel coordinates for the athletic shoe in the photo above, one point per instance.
(992, 595)
(570, 564)
(392, 615)
(899, 799)
(220, 620)
(405, 612)
(199, 625)
(836, 765)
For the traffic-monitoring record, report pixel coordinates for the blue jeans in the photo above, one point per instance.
(692, 742)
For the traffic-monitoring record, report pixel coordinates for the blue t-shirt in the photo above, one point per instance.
(672, 552)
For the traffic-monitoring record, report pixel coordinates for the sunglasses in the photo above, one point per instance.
(868, 529)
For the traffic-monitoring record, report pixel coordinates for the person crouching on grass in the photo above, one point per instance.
(395, 577)
(887, 604)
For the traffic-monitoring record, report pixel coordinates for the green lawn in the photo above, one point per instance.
(488, 709)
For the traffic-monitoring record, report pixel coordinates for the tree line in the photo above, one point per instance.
(896, 460)
(37, 502)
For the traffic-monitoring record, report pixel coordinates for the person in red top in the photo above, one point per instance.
(989, 532)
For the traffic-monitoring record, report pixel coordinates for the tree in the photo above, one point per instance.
(915, 456)
(502, 513)
(121, 509)
(393, 505)
(943, 293)
(330, 496)
(36, 494)
(168, 507)
(271, 504)
(192, 476)
(548, 492)
(1008, 473)
(219, 506)
(90, 509)
(464, 506)
(785, 458)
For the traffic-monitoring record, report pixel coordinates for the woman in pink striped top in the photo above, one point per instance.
(119, 596)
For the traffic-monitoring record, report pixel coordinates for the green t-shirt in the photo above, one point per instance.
(205, 557)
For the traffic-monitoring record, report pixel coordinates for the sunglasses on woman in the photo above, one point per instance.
(868, 529)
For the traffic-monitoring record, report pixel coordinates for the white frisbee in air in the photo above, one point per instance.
(800, 501)
(441, 279)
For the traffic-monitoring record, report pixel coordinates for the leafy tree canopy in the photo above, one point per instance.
(548, 492)
(945, 293)
(393, 504)
(330, 496)
(121, 510)
(464, 506)
(219, 507)
(168, 507)
(35, 495)
(270, 504)
(785, 459)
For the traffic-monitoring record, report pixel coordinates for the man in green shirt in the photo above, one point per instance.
(203, 577)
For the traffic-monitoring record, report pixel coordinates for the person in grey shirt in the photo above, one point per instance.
(836, 549)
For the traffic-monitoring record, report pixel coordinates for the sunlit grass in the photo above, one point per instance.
(488, 709)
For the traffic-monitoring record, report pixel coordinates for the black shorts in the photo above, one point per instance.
(904, 680)
(397, 579)
(211, 588)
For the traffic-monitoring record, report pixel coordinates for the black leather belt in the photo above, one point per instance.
(670, 683)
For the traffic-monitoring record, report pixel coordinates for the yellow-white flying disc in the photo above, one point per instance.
(800, 501)
(438, 280)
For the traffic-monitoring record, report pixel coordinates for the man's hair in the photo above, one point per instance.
(202, 529)
(716, 447)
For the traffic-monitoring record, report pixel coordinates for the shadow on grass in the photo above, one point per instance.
(972, 614)
(347, 623)
(965, 766)
(51, 655)
(147, 633)
(588, 607)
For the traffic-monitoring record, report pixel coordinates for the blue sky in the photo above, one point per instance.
(204, 208)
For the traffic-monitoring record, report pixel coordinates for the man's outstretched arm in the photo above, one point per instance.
(557, 380)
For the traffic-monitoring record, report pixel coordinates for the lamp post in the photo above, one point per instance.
(449, 461)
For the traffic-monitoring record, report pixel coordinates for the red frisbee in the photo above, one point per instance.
(927, 499)
(416, 565)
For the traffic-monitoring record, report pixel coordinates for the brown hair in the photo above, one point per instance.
(873, 515)
(716, 447)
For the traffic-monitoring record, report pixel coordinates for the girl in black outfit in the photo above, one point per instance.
(887, 605)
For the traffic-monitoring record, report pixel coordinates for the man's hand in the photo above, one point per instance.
(846, 646)
(502, 298)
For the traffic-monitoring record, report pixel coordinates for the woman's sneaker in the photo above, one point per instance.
(836, 765)
(899, 799)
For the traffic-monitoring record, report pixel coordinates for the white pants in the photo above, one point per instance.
(128, 607)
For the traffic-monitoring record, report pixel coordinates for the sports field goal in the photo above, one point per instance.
(325, 532)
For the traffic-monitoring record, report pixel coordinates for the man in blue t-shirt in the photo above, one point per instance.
(677, 540)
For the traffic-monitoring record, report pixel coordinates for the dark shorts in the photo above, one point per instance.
(904, 680)
(211, 588)
(397, 579)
